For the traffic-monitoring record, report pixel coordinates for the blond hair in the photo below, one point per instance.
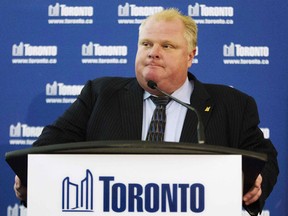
(190, 25)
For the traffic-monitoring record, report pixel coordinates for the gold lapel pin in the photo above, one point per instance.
(207, 109)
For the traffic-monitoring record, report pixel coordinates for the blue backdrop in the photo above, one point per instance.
(50, 48)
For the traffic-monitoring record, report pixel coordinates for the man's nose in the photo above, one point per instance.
(154, 52)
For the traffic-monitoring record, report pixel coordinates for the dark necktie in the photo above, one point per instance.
(158, 121)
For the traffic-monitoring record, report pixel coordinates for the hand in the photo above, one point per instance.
(254, 193)
(20, 190)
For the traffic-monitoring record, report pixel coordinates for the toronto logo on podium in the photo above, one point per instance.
(78, 197)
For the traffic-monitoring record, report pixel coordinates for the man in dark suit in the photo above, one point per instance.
(121, 108)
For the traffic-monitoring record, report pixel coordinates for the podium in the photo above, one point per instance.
(136, 177)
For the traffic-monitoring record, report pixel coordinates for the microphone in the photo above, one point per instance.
(200, 128)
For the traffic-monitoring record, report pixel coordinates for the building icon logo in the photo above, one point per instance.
(229, 50)
(18, 50)
(123, 10)
(54, 10)
(194, 11)
(51, 89)
(88, 50)
(78, 197)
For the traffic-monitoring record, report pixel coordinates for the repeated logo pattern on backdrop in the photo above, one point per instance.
(49, 49)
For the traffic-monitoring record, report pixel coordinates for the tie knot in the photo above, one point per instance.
(162, 100)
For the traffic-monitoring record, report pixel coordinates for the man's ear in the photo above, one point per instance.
(191, 56)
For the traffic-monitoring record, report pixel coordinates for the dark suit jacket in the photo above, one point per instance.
(112, 108)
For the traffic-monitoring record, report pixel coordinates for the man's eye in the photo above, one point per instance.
(167, 46)
(146, 44)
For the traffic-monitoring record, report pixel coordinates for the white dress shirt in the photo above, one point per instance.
(175, 113)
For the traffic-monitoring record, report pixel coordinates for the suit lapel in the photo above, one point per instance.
(131, 109)
(202, 102)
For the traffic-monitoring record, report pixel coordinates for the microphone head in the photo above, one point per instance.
(152, 84)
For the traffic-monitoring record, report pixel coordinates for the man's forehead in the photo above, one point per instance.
(163, 21)
(162, 26)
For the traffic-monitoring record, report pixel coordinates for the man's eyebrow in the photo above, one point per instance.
(161, 41)
(168, 41)
(144, 39)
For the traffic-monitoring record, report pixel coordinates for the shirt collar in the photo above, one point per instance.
(183, 93)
